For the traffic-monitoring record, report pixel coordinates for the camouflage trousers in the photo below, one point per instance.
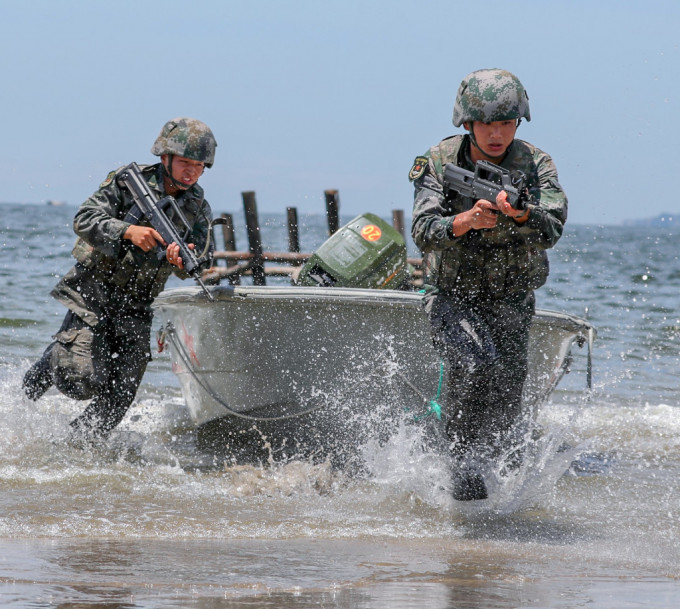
(485, 347)
(104, 363)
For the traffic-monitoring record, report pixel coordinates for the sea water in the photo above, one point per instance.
(150, 519)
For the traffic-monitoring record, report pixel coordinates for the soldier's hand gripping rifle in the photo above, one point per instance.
(486, 182)
(147, 205)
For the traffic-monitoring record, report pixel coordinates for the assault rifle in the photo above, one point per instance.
(486, 182)
(147, 205)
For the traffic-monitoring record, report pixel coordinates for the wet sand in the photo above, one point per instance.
(297, 573)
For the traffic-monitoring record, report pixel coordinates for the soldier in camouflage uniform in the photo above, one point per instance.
(482, 261)
(103, 346)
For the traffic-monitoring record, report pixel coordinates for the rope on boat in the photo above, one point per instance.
(183, 355)
(589, 365)
(433, 406)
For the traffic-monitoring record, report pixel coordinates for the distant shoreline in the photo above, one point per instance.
(663, 219)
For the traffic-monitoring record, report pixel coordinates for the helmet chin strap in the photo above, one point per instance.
(168, 172)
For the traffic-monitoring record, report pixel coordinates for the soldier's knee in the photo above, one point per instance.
(73, 366)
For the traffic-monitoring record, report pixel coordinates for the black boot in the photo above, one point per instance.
(469, 486)
(38, 379)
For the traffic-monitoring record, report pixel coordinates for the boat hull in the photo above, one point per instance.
(272, 354)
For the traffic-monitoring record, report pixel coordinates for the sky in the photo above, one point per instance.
(309, 95)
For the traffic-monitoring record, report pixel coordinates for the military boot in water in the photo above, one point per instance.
(469, 486)
(38, 379)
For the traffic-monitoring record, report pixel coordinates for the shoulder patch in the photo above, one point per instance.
(419, 168)
(108, 180)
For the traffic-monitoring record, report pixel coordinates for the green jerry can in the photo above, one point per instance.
(365, 253)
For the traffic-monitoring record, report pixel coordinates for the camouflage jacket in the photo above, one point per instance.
(506, 261)
(112, 272)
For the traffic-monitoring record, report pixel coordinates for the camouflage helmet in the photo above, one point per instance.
(186, 137)
(490, 95)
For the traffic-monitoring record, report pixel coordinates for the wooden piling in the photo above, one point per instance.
(332, 210)
(398, 221)
(229, 237)
(228, 233)
(293, 235)
(254, 237)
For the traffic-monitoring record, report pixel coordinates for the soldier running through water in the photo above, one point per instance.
(103, 346)
(482, 262)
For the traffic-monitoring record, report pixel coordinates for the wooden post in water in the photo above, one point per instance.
(332, 210)
(229, 237)
(254, 237)
(228, 233)
(293, 236)
(398, 221)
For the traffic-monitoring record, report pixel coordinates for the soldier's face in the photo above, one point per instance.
(492, 139)
(185, 171)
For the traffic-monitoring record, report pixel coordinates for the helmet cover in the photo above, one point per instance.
(186, 137)
(490, 95)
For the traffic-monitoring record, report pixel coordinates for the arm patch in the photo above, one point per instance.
(108, 180)
(419, 168)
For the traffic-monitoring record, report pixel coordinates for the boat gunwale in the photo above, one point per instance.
(195, 296)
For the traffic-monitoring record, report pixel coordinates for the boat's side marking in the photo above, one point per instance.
(188, 341)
